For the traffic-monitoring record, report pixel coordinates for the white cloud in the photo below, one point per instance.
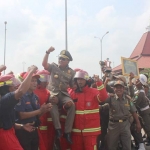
(31, 32)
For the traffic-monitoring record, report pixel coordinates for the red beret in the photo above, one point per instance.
(43, 72)
(34, 75)
(7, 77)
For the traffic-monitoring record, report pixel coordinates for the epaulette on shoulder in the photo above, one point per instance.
(70, 70)
(55, 64)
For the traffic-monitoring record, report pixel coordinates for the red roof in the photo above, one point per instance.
(141, 53)
(143, 46)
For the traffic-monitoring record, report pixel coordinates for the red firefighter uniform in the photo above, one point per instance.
(86, 126)
(46, 129)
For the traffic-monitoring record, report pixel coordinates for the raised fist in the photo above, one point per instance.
(51, 49)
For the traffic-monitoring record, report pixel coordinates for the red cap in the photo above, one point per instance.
(9, 79)
(34, 75)
(43, 72)
(6, 77)
(20, 76)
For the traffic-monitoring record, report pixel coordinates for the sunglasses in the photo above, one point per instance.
(63, 59)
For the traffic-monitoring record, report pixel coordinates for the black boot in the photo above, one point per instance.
(67, 136)
(58, 133)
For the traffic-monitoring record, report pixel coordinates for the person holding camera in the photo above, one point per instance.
(28, 110)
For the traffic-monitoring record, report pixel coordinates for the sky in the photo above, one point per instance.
(35, 25)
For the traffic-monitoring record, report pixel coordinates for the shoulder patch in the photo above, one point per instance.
(129, 99)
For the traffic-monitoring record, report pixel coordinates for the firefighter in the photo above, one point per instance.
(29, 110)
(10, 96)
(86, 126)
(60, 80)
(45, 142)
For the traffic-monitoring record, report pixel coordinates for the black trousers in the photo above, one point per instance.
(28, 140)
(137, 136)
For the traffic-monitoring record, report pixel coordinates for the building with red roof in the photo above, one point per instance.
(141, 53)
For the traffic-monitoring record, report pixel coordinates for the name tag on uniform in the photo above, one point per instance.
(28, 103)
(127, 105)
(88, 104)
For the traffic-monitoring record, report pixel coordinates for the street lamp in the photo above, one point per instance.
(66, 25)
(101, 40)
(5, 44)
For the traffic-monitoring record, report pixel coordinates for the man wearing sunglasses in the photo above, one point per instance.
(60, 80)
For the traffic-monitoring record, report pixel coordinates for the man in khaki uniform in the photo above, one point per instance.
(142, 104)
(60, 80)
(119, 126)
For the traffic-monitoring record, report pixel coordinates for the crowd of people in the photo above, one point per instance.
(65, 109)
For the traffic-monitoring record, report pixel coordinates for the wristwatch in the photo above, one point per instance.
(47, 52)
(21, 126)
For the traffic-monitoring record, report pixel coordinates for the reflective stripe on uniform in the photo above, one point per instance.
(87, 111)
(43, 127)
(87, 130)
(100, 87)
(63, 116)
(49, 119)
(95, 148)
(6, 83)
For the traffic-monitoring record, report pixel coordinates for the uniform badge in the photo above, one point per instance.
(55, 76)
(63, 52)
(69, 71)
(88, 104)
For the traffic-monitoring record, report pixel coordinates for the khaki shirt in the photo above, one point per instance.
(60, 79)
(141, 100)
(120, 108)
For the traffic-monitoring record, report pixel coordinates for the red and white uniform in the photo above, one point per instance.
(46, 129)
(86, 126)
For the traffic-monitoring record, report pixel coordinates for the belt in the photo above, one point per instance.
(112, 120)
(145, 108)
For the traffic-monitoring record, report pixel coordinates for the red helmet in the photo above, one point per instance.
(82, 74)
(77, 69)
